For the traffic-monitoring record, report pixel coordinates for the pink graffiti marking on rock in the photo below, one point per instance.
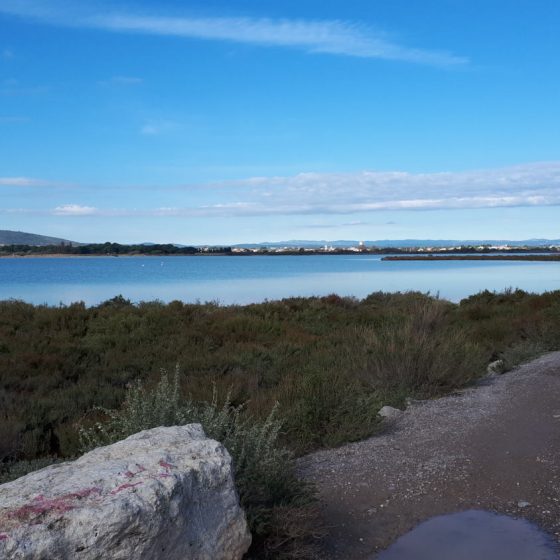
(39, 506)
(166, 465)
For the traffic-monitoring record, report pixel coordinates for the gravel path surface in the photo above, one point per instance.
(495, 446)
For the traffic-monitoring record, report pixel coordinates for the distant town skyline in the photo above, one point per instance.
(245, 121)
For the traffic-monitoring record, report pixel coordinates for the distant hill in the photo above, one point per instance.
(402, 243)
(8, 237)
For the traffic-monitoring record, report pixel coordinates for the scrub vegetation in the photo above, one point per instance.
(269, 490)
(296, 375)
(330, 363)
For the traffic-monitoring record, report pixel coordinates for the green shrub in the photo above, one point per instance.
(520, 353)
(326, 408)
(421, 353)
(264, 471)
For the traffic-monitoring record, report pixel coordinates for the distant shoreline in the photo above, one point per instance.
(436, 256)
(101, 256)
(70, 256)
(432, 258)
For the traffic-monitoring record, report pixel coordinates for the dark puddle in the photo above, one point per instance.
(473, 535)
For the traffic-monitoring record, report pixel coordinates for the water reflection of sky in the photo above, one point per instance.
(471, 535)
(252, 279)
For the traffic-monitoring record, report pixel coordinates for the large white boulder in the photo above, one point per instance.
(166, 493)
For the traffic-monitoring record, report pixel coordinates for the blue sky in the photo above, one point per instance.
(243, 121)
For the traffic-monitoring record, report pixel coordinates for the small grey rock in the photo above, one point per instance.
(523, 504)
(389, 412)
(495, 368)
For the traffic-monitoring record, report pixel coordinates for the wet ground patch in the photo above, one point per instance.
(473, 535)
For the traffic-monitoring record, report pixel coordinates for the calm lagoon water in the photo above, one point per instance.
(473, 535)
(240, 280)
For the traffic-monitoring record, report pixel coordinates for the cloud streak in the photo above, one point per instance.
(75, 210)
(334, 37)
(361, 193)
(22, 182)
(370, 191)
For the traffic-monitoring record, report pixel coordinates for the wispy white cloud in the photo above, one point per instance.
(333, 37)
(346, 194)
(370, 191)
(22, 182)
(75, 210)
(7, 54)
(356, 223)
(328, 37)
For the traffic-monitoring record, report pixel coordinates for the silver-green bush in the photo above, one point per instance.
(264, 470)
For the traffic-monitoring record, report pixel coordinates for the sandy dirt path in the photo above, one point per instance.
(495, 446)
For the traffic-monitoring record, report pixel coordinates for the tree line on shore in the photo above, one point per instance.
(108, 249)
(165, 249)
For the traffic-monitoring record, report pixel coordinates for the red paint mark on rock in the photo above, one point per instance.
(166, 465)
(40, 506)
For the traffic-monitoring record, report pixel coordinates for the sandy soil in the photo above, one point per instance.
(495, 446)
